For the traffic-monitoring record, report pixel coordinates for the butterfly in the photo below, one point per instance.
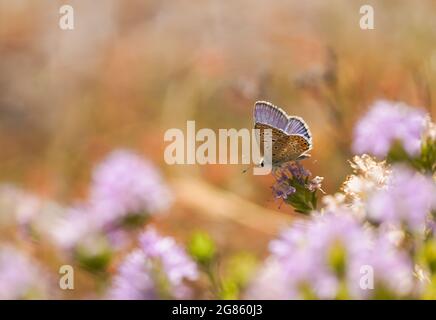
(291, 138)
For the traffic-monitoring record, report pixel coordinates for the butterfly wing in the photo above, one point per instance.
(279, 139)
(269, 114)
(291, 137)
(295, 146)
(297, 126)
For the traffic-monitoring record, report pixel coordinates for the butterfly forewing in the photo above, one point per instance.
(284, 147)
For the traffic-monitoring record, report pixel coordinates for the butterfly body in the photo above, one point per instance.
(291, 138)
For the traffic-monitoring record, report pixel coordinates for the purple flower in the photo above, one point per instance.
(125, 184)
(407, 200)
(20, 277)
(79, 233)
(175, 262)
(134, 280)
(34, 216)
(323, 259)
(282, 190)
(298, 171)
(157, 269)
(390, 271)
(315, 184)
(299, 260)
(304, 253)
(292, 170)
(287, 175)
(19, 206)
(268, 283)
(386, 123)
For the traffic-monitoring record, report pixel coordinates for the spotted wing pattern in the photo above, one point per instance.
(284, 147)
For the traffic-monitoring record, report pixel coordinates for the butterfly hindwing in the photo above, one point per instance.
(297, 126)
(284, 147)
(294, 148)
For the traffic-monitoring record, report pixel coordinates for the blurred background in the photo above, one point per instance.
(130, 70)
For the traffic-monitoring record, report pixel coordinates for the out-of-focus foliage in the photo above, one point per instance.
(130, 70)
